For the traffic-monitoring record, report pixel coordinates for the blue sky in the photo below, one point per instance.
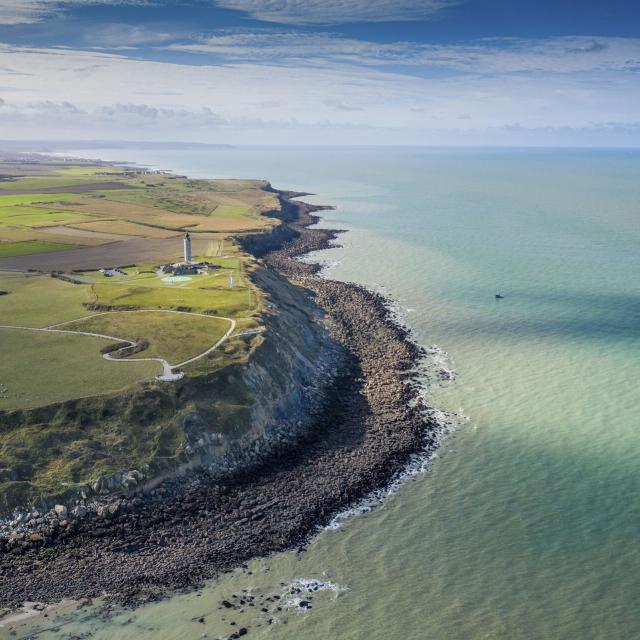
(459, 72)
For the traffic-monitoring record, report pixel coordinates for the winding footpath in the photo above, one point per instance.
(168, 370)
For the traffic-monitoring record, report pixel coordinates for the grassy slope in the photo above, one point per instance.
(39, 301)
(226, 303)
(174, 337)
(61, 367)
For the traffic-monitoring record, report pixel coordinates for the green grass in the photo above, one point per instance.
(65, 176)
(175, 337)
(27, 247)
(221, 302)
(17, 210)
(92, 170)
(40, 368)
(232, 211)
(39, 301)
(45, 459)
(168, 198)
(36, 198)
(26, 216)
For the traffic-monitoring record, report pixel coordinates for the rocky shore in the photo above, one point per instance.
(138, 549)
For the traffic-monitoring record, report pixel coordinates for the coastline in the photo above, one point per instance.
(373, 425)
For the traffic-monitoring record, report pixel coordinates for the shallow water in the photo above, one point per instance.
(526, 524)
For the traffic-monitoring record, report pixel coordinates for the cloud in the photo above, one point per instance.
(132, 116)
(336, 11)
(125, 35)
(29, 11)
(500, 55)
(335, 103)
(103, 95)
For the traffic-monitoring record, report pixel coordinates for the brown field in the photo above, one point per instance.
(113, 216)
(134, 251)
(64, 235)
(167, 220)
(118, 228)
(261, 200)
(103, 208)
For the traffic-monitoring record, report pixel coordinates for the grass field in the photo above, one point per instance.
(40, 368)
(40, 301)
(37, 198)
(125, 228)
(223, 302)
(175, 337)
(31, 246)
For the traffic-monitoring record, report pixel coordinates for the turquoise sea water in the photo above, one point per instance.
(526, 525)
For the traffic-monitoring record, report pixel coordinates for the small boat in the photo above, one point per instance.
(499, 296)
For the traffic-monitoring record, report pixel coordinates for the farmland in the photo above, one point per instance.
(72, 219)
(79, 204)
(27, 247)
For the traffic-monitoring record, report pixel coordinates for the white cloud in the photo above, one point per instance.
(336, 11)
(125, 35)
(29, 11)
(504, 55)
(98, 95)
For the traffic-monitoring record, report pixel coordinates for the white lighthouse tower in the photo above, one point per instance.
(187, 248)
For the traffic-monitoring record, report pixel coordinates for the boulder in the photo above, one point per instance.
(61, 510)
(79, 511)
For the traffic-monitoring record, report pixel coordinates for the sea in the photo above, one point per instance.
(526, 524)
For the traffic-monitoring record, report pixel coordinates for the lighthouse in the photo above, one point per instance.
(187, 248)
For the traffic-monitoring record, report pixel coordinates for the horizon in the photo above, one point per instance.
(438, 73)
(31, 146)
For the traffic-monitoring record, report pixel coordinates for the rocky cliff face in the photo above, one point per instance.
(283, 385)
(224, 421)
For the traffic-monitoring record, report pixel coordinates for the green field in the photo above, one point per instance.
(39, 300)
(28, 247)
(39, 368)
(220, 302)
(36, 198)
(175, 337)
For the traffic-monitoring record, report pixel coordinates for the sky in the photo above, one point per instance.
(356, 72)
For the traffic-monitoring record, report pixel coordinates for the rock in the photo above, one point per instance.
(102, 511)
(79, 511)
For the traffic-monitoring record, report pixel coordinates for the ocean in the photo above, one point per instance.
(526, 524)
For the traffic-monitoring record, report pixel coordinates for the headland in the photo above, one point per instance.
(327, 407)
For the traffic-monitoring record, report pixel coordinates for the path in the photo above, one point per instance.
(168, 374)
